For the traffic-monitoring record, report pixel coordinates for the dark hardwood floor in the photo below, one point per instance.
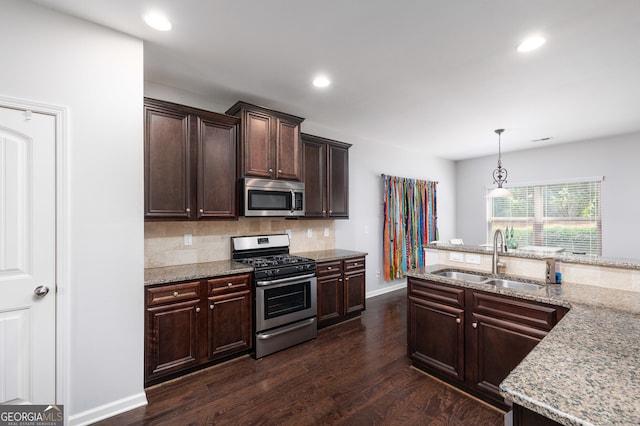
(355, 373)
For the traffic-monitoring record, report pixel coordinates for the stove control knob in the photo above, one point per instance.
(268, 272)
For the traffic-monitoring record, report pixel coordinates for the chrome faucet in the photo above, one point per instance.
(503, 248)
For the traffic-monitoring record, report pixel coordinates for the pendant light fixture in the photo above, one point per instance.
(500, 173)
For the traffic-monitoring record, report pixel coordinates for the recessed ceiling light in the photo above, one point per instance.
(157, 21)
(531, 43)
(321, 81)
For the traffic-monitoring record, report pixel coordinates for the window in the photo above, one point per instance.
(560, 214)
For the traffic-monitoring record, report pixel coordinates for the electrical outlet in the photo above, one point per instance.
(188, 239)
(456, 257)
(309, 233)
(472, 258)
(326, 232)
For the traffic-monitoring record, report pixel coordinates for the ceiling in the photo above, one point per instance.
(434, 76)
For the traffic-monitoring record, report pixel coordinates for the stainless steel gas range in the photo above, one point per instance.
(284, 290)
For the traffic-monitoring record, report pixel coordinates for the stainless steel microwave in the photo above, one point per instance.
(266, 197)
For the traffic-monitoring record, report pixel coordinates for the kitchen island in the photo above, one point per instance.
(585, 370)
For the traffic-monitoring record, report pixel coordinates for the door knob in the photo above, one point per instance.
(41, 290)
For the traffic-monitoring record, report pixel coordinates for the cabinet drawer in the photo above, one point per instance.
(441, 293)
(172, 293)
(329, 268)
(230, 284)
(517, 310)
(356, 264)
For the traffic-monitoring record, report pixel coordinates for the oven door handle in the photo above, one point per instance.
(287, 330)
(284, 280)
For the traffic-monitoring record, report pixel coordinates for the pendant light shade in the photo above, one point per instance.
(500, 173)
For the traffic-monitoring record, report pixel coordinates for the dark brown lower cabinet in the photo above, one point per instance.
(471, 338)
(503, 330)
(194, 324)
(525, 417)
(436, 329)
(229, 306)
(341, 290)
(173, 329)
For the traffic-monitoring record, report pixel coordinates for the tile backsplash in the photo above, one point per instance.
(164, 241)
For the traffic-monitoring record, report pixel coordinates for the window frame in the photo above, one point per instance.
(538, 228)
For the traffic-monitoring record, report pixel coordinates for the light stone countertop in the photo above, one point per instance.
(614, 262)
(585, 371)
(194, 271)
(333, 254)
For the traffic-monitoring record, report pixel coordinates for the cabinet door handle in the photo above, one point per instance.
(270, 170)
(201, 210)
(330, 211)
(211, 306)
(198, 309)
(279, 171)
(356, 264)
(329, 268)
(474, 324)
(229, 284)
(175, 294)
(188, 210)
(458, 320)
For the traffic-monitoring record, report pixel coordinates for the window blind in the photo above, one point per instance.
(559, 214)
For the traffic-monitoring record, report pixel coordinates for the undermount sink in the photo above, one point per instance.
(498, 282)
(465, 276)
(518, 285)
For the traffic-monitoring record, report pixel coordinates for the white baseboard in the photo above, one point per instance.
(386, 290)
(108, 410)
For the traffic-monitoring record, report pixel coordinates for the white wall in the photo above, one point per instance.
(615, 158)
(363, 230)
(97, 75)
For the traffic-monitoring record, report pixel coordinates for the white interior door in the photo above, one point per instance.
(27, 257)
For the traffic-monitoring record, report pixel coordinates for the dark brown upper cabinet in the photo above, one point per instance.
(270, 145)
(189, 163)
(326, 177)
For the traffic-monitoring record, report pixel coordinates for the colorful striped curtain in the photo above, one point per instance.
(409, 223)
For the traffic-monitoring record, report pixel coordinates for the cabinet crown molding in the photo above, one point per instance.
(241, 105)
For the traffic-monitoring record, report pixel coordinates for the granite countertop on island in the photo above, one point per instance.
(194, 271)
(331, 254)
(582, 259)
(584, 371)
